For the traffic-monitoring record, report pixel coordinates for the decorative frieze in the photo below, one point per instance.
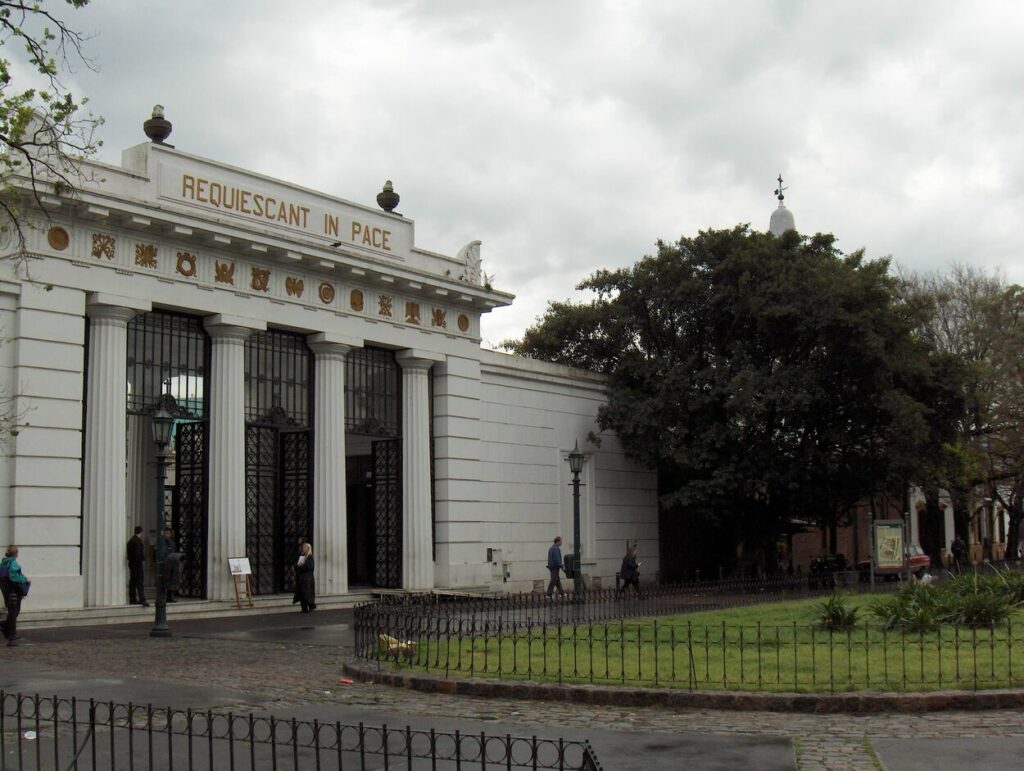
(103, 245)
(186, 264)
(189, 264)
(145, 255)
(294, 286)
(260, 279)
(224, 272)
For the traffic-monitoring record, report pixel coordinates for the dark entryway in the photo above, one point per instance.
(373, 468)
(374, 497)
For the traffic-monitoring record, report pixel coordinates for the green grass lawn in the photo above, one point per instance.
(772, 647)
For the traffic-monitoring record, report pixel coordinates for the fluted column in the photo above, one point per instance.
(330, 515)
(104, 484)
(417, 535)
(226, 529)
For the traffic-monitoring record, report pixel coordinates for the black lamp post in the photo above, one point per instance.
(163, 427)
(576, 466)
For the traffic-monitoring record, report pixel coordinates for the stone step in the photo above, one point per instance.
(182, 609)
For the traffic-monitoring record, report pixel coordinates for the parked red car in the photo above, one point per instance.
(918, 560)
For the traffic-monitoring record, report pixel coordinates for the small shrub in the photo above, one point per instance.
(914, 608)
(977, 601)
(836, 614)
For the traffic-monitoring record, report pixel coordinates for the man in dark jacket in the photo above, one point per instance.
(136, 569)
(554, 566)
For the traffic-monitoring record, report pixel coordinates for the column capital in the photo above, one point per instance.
(228, 327)
(416, 359)
(100, 305)
(332, 344)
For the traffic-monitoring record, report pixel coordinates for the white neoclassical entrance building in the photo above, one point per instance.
(329, 386)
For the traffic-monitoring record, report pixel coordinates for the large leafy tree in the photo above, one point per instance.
(767, 379)
(44, 131)
(979, 319)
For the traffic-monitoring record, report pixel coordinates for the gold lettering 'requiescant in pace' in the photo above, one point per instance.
(220, 195)
(232, 198)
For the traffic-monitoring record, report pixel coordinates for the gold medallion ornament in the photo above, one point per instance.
(294, 286)
(438, 318)
(224, 272)
(463, 322)
(384, 305)
(260, 280)
(412, 313)
(355, 300)
(103, 245)
(186, 264)
(145, 255)
(326, 293)
(58, 239)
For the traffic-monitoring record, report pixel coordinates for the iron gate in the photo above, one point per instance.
(277, 510)
(189, 518)
(387, 512)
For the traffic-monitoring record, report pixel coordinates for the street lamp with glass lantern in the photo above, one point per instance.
(576, 466)
(163, 428)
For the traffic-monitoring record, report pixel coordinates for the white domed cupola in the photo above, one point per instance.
(782, 218)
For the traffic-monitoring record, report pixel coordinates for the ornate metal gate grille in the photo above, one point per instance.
(387, 504)
(189, 517)
(278, 455)
(168, 354)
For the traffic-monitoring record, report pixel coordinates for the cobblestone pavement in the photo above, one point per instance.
(287, 675)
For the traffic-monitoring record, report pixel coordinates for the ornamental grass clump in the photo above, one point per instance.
(978, 601)
(916, 607)
(836, 614)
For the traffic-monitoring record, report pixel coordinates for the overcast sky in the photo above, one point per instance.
(570, 136)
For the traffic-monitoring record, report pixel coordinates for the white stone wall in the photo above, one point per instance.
(503, 482)
(41, 361)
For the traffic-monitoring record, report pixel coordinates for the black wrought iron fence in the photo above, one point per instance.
(566, 642)
(408, 614)
(48, 732)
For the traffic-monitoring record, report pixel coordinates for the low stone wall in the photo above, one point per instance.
(627, 696)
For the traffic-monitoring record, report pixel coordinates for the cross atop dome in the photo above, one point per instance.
(782, 219)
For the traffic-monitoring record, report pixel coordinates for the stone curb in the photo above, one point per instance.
(623, 696)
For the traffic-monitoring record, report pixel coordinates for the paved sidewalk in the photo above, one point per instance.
(290, 664)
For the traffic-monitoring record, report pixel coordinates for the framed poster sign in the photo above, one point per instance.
(239, 566)
(888, 545)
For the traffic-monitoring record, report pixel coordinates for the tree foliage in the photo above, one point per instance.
(767, 379)
(44, 130)
(979, 319)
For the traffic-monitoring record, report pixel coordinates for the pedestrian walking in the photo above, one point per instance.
(15, 587)
(629, 571)
(172, 564)
(136, 569)
(961, 559)
(554, 566)
(305, 583)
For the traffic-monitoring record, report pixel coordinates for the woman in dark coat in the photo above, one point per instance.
(305, 584)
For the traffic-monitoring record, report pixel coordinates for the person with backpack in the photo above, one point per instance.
(15, 587)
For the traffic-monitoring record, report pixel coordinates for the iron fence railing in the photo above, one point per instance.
(407, 613)
(48, 732)
(608, 638)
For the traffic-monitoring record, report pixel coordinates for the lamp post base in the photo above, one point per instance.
(160, 631)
